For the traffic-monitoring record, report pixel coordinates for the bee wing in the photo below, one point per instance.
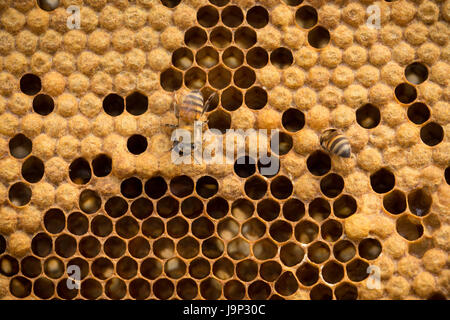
(208, 103)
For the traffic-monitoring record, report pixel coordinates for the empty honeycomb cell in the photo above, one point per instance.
(202, 228)
(210, 289)
(281, 187)
(318, 163)
(207, 186)
(155, 187)
(20, 146)
(113, 104)
(293, 209)
(48, 5)
(281, 58)
(405, 93)
(127, 268)
(116, 207)
(33, 169)
(170, 3)
(344, 250)
(418, 113)
(223, 268)
(228, 229)
(213, 247)
(416, 73)
(268, 209)
(321, 292)
(20, 287)
(259, 290)
(286, 284)
(409, 228)
(253, 229)
(234, 290)
(293, 120)
(136, 103)
(280, 231)
(31, 267)
(101, 226)
(219, 120)
(419, 202)
(139, 289)
(192, 207)
(89, 246)
(369, 249)
(114, 247)
(306, 231)
(233, 57)
(41, 245)
(195, 78)
(163, 248)
(285, 143)
(432, 134)
(175, 268)
(318, 252)
(188, 247)
(257, 57)
(65, 246)
(19, 194)
(331, 230)
(91, 289)
(368, 116)
(247, 270)
(291, 254)
(382, 181)
(395, 202)
(43, 104)
(187, 289)
(141, 208)
(127, 227)
(171, 80)
(307, 274)
(319, 37)
(102, 165)
(137, 144)
(89, 201)
(30, 84)
(139, 247)
(357, 270)
(232, 16)
(265, 249)
(182, 58)
(177, 227)
(306, 17)
(344, 206)
(244, 77)
(257, 17)
(332, 272)
(332, 185)
(245, 37)
(115, 288)
(54, 221)
(131, 188)
(219, 77)
(256, 98)
(151, 268)
(80, 171)
(346, 291)
(9, 266)
(181, 186)
(319, 209)
(231, 98)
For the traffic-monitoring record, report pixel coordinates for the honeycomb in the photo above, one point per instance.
(86, 178)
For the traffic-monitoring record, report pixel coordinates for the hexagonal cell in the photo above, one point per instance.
(80, 263)
(259, 290)
(432, 134)
(291, 254)
(280, 231)
(223, 268)
(293, 209)
(307, 274)
(293, 120)
(286, 284)
(115, 288)
(257, 17)
(231, 99)
(137, 144)
(177, 227)
(164, 248)
(405, 93)
(394, 202)
(219, 120)
(306, 231)
(418, 113)
(33, 169)
(139, 247)
(319, 209)
(344, 250)
(91, 289)
(210, 289)
(382, 181)
(153, 227)
(332, 185)
(113, 104)
(419, 202)
(268, 209)
(234, 290)
(89, 246)
(282, 144)
(182, 58)
(346, 291)
(213, 247)
(43, 104)
(257, 57)
(114, 247)
(20, 146)
(318, 252)
(141, 208)
(181, 186)
(195, 78)
(43, 288)
(217, 207)
(318, 163)
(253, 229)
(232, 16)
(207, 16)
(54, 220)
(89, 202)
(242, 209)
(41, 245)
(102, 165)
(219, 77)
(195, 37)
(265, 249)
(368, 116)
(369, 249)
(281, 187)
(321, 292)
(80, 171)
(131, 188)
(9, 266)
(331, 230)
(228, 229)
(319, 37)
(151, 268)
(344, 206)
(30, 84)
(187, 289)
(206, 57)
(220, 37)
(332, 272)
(306, 17)
(247, 270)
(244, 77)
(416, 73)
(232, 57)
(409, 228)
(245, 37)
(116, 207)
(136, 103)
(19, 194)
(139, 289)
(206, 186)
(281, 58)
(20, 287)
(31, 267)
(171, 80)
(155, 187)
(202, 228)
(357, 270)
(127, 227)
(199, 268)
(256, 98)
(175, 268)
(65, 246)
(192, 207)
(101, 226)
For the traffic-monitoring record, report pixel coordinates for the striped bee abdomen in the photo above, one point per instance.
(191, 107)
(336, 143)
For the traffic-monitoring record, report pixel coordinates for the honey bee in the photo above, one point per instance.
(335, 142)
(189, 108)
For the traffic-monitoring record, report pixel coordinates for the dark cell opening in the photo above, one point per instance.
(382, 181)
(181, 186)
(113, 104)
(102, 165)
(432, 134)
(131, 188)
(255, 187)
(137, 144)
(137, 103)
(318, 163)
(416, 73)
(256, 98)
(155, 187)
(306, 17)
(368, 116)
(257, 17)
(30, 84)
(405, 93)
(33, 169)
(418, 113)
(80, 171)
(319, 37)
(20, 146)
(293, 120)
(207, 16)
(332, 185)
(207, 186)
(171, 80)
(43, 104)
